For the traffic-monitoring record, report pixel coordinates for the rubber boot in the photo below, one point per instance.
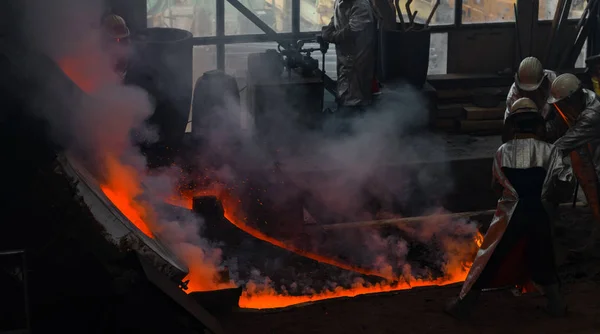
(461, 308)
(556, 306)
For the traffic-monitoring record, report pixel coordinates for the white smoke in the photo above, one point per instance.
(100, 123)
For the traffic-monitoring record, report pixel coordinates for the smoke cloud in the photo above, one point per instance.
(100, 124)
(335, 175)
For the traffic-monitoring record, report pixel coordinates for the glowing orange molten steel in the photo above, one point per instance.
(259, 297)
(121, 189)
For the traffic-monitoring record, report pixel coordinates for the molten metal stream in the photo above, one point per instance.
(257, 298)
(260, 298)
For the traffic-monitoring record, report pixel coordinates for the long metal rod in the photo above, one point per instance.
(220, 12)
(401, 221)
(458, 13)
(295, 16)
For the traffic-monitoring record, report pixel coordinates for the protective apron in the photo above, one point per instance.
(354, 35)
(518, 154)
(582, 143)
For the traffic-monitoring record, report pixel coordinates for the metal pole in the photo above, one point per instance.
(458, 13)
(220, 16)
(295, 16)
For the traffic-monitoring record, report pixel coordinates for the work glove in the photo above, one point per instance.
(327, 33)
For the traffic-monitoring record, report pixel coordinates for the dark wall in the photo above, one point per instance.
(133, 11)
(480, 49)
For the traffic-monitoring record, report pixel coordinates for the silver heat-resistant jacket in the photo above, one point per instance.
(586, 130)
(352, 30)
(518, 154)
(514, 94)
(582, 143)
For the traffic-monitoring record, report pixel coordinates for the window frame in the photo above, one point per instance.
(221, 39)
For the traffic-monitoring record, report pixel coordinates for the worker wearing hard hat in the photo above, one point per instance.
(580, 110)
(353, 30)
(117, 34)
(517, 248)
(531, 81)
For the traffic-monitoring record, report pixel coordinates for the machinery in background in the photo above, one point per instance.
(290, 77)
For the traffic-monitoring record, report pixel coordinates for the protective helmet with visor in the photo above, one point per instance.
(530, 75)
(564, 96)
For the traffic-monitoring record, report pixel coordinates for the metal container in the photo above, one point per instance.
(404, 55)
(162, 65)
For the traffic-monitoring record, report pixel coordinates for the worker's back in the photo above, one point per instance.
(527, 182)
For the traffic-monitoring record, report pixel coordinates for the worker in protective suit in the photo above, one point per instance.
(532, 81)
(353, 31)
(593, 74)
(580, 110)
(117, 41)
(518, 248)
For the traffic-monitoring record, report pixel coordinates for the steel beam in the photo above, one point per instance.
(220, 13)
(295, 16)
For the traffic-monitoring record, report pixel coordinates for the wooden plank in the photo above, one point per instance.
(445, 124)
(450, 111)
(454, 94)
(477, 113)
(468, 126)
(460, 93)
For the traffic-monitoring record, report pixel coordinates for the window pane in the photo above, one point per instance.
(197, 16)
(438, 54)
(315, 13)
(444, 14)
(277, 14)
(481, 11)
(580, 63)
(548, 8)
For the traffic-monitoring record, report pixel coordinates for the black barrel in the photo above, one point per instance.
(216, 96)
(162, 65)
(404, 55)
(216, 119)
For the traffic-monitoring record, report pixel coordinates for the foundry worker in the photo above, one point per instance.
(593, 74)
(532, 81)
(517, 248)
(580, 110)
(353, 31)
(117, 42)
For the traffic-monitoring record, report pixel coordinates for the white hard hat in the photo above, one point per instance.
(523, 105)
(530, 75)
(563, 86)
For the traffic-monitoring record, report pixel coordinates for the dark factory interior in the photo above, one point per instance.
(300, 166)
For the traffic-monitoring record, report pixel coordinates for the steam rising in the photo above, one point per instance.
(100, 125)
